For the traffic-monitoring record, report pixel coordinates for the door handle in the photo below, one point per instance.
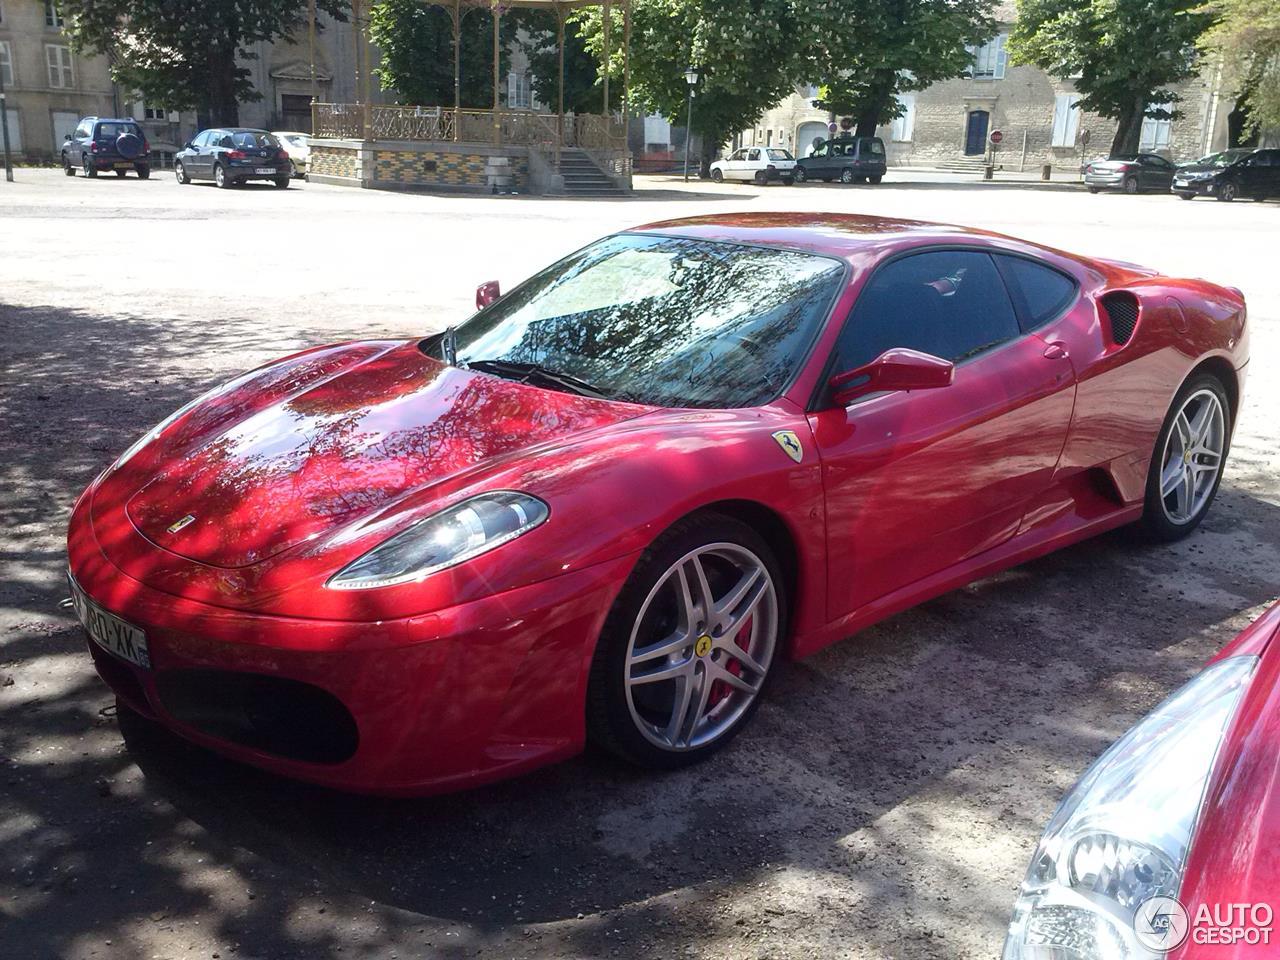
(1056, 350)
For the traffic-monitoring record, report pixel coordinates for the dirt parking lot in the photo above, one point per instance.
(886, 798)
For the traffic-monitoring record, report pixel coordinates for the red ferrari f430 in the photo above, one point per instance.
(606, 505)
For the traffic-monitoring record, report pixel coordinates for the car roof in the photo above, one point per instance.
(843, 235)
(112, 119)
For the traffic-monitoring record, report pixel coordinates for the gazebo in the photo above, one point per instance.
(499, 149)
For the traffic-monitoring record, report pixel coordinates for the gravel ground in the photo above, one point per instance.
(888, 795)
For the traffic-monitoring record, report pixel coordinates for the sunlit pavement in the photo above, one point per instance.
(886, 798)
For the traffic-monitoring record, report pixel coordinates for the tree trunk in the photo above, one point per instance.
(878, 98)
(224, 110)
(709, 145)
(1129, 128)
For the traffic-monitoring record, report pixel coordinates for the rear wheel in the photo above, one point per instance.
(688, 647)
(220, 176)
(282, 182)
(1189, 456)
(293, 169)
(846, 175)
(1130, 185)
(89, 169)
(875, 179)
(761, 178)
(144, 173)
(800, 175)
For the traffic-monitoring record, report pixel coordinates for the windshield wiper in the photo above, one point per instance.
(532, 371)
(449, 346)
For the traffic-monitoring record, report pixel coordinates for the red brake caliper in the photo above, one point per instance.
(721, 689)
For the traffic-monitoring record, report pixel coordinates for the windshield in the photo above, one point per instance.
(1222, 159)
(254, 140)
(776, 154)
(661, 320)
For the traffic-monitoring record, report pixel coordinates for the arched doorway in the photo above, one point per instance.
(806, 134)
(975, 133)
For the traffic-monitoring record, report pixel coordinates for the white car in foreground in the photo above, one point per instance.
(758, 164)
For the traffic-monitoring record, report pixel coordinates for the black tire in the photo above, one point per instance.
(761, 178)
(717, 176)
(121, 173)
(293, 169)
(144, 173)
(89, 169)
(800, 175)
(846, 175)
(67, 168)
(1155, 524)
(1228, 192)
(1186, 196)
(876, 179)
(180, 173)
(282, 183)
(609, 720)
(1093, 189)
(220, 177)
(1130, 185)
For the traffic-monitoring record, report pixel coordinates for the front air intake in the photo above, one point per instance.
(1122, 312)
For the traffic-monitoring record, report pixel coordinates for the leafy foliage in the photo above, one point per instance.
(416, 41)
(865, 52)
(184, 57)
(1123, 54)
(744, 51)
(582, 87)
(1246, 36)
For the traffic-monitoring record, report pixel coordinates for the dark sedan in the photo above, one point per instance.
(230, 156)
(1229, 174)
(1130, 173)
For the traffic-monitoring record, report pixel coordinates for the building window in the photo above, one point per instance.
(904, 124)
(1155, 132)
(519, 96)
(58, 58)
(1066, 119)
(6, 64)
(15, 130)
(153, 113)
(990, 59)
(52, 15)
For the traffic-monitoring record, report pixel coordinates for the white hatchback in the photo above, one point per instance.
(759, 164)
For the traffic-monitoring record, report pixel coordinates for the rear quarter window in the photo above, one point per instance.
(1045, 293)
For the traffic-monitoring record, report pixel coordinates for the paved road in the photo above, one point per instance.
(884, 802)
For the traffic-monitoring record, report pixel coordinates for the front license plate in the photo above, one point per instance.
(264, 170)
(110, 632)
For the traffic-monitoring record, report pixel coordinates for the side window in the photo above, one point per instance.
(753, 155)
(739, 155)
(819, 151)
(1045, 292)
(949, 303)
(82, 131)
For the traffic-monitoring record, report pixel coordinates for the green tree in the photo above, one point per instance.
(582, 87)
(744, 51)
(416, 41)
(1245, 37)
(182, 56)
(1123, 55)
(863, 53)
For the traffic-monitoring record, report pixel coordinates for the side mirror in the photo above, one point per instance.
(896, 369)
(188, 145)
(67, 138)
(486, 293)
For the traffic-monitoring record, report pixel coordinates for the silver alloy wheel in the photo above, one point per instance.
(180, 172)
(716, 610)
(1193, 456)
(219, 177)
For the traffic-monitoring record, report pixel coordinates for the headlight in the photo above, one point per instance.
(1121, 835)
(463, 531)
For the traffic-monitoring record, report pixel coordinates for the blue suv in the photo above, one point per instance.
(103, 144)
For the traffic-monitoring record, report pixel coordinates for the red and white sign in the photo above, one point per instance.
(996, 136)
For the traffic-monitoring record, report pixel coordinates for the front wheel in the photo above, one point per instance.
(1227, 192)
(717, 176)
(688, 647)
(846, 175)
(1186, 466)
(1186, 196)
(180, 173)
(67, 168)
(800, 175)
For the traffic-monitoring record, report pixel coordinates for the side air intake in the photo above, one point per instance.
(1122, 311)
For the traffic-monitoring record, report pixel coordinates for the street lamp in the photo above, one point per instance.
(691, 78)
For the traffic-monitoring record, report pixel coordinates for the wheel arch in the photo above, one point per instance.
(1220, 368)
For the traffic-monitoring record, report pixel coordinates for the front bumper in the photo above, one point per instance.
(444, 701)
(1195, 188)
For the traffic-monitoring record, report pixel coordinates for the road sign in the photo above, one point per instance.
(831, 128)
(996, 136)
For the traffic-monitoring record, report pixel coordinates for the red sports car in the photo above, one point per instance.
(1167, 845)
(609, 501)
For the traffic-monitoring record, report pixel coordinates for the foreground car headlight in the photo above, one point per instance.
(1121, 835)
(445, 539)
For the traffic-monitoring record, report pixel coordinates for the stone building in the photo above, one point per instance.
(949, 124)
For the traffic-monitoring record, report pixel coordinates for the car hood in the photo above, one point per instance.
(1199, 168)
(274, 472)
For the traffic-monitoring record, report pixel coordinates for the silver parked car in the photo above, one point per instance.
(298, 146)
(1131, 173)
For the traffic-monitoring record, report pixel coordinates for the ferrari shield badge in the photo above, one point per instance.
(181, 524)
(790, 444)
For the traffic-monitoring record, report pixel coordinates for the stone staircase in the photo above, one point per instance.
(972, 165)
(582, 178)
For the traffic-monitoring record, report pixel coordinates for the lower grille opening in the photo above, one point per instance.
(287, 718)
(121, 679)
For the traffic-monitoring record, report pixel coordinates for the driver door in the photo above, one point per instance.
(919, 481)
